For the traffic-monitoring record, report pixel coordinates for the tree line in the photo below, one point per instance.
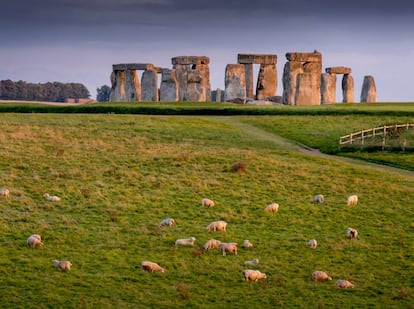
(50, 92)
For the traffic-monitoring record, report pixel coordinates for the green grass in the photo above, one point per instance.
(120, 175)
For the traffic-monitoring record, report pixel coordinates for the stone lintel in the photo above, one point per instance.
(190, 60)
(132, 66)
(304, 57)
(338, 70)
(256, 59)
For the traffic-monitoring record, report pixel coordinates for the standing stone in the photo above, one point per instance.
(348, 88)
(235, 83)
(169, 86)
(328, 88)
(248, 71)
(266, 81)
(118, 86)
(132, 86)
(308, 89)
(149, 83)
(369, 91)
(219, 95)
(290, 72)
(195, 90)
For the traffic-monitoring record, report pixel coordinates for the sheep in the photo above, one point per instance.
(352, 200)
(5, 192)
(51, 197)
(207, 202)
(313, 243)
(230, 247)
(167, 222)
(273, 207)
(64, 265)
(318, 199)
(352, 233)
(254, 262)
(217, 226)
(253, 275)
(320, 276)
(185, 242)
(247, 244)
(151, 267)
(212, 244)
(344, 284)
(34, 240)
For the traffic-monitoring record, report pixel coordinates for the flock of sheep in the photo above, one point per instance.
(225, 248)
(35, 240)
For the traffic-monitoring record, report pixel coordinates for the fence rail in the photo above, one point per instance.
(360, 136)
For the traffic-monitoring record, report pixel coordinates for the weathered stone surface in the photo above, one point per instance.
(149, 83)
(186, 60)
(235, 83)
(217, 95)
(312, 67)
(256, 58)
(290, 72)
(195, 90)
(132, 86)
(132, 66)
(308, 89)
(118, 86)
(266, 81)
(169, 86)
(369, 91)
(248, 72)
(304, 57)
(338, 70)
(328, 88)
(277, 99)
(348, 88)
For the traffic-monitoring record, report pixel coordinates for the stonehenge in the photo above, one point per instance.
(304, 83)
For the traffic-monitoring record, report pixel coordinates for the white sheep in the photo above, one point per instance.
(217, 226)
(185, 242)
(230, 247)
(247, 244)
(253, 275)
(5, 192)
(207, 202)
(151, 267)
(352, 233)
(344, 284)
(254, 262)
(167, 222)
(352, 200)
(51, 197)
(273, 207)
(34, 240)
(313, 243)
(318, 198)
(320, 276)
(64, 265)
(212, 244)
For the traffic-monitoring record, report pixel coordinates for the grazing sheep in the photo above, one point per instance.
(230, 247)
(185, 242)
(64, 265)
(352, 200)
(217, 226)
(312, 243)
(254, 262)
(274, 207)
(344, 284)
(253, 275)
(34, 240)
(320, 276)
(51, 197)
(352, 233)
(318, 199)
(5, 192)
(151, 267)
(207, 202)
(167, 222)
(247, 244)
(212, 244)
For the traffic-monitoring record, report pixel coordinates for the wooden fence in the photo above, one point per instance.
(360, 136)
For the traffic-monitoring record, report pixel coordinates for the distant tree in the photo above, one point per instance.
(103, 93)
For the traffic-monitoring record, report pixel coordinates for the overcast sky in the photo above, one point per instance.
(79, 40)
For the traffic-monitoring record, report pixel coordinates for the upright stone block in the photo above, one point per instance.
(248, 71)
(169, 86)
(290, 73)
(118, 86)
(348, 88)
(149, 82)
(328, 88)
(369, 91)
(308, 89)
(266, 81)
(235, 82)
(195, 90)
(132, 86)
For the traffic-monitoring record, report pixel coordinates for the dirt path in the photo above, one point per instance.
(286, 144)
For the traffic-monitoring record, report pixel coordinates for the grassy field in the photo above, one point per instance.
(120, 175)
